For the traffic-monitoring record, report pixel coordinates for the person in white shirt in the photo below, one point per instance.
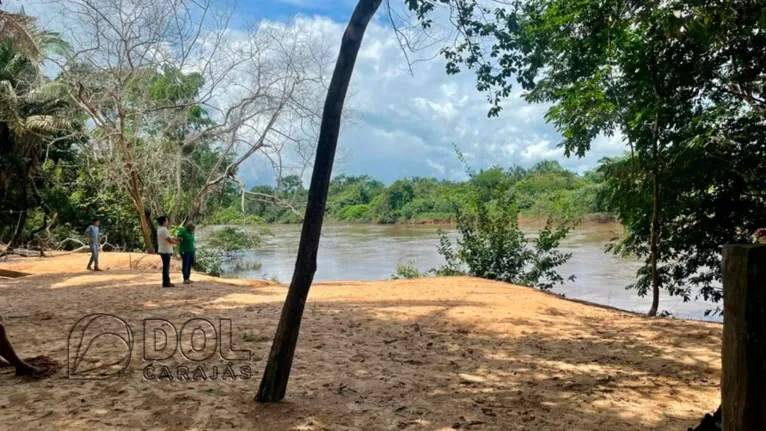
(165, 243)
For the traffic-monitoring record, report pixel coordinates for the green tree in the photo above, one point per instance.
(176, 93)
(349, 197)
(674, 79)
(387, 207)
(687, 177)
(621, 77)
(233, 240)
(34, 113)
(491, 244)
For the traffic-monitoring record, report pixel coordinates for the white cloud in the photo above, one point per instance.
(540, 151)
(405, 124)
(439, 169)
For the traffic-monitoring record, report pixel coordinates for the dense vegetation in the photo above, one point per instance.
(490, 242)
(545, 190)
(683, 83)
(129, 136)
(223, 250)
(125, 136)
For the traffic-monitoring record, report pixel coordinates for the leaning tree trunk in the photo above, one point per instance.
(277, 373)
(654, 240)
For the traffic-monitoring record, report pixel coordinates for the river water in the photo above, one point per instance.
(372, 252)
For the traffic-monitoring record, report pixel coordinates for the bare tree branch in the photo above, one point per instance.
(260, 92)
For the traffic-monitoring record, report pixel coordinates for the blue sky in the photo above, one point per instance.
(337, 10)
(405, 125)
(402, 124)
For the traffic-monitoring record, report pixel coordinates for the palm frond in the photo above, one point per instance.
(47, 124)
(49, 91)
(9, 106)
(30, 107)
(53, 44)
(27, 39)
(21, 30)
(13, 65)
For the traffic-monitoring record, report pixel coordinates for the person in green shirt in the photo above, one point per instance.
(186, 236)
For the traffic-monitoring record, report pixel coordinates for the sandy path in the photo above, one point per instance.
(430, 354)
(60, 263)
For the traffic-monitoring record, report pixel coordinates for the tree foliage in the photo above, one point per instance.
(35, 118)
(681, 82)
(230, 240)
(141, 116)
(545, 190)
(491, 244)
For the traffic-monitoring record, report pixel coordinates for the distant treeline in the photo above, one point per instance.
(545, 190)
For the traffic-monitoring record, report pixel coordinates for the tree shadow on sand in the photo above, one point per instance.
(402, 364)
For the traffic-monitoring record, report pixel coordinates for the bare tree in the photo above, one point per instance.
(159, 78)
(292, 67)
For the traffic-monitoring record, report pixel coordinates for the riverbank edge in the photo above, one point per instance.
(595, 218)
(19, 266)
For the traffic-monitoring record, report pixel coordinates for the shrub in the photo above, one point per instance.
(491, 245)
(407, 271)
(355, 213)
(209, 261)
(232, 240)
(222, 249)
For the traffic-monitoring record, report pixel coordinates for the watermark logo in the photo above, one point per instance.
(101, 346)
(90, 338)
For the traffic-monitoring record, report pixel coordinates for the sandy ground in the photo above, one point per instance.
(59, 263)
(429, 354)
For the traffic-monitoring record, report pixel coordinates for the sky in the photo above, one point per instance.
(404, 124)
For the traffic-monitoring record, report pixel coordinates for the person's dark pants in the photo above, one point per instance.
(165, 269)
(187, 259)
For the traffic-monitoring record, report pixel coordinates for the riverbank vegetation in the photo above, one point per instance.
(490, 243)
(119, 132)
(681, 83)
(152, 108)
(542, 191)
